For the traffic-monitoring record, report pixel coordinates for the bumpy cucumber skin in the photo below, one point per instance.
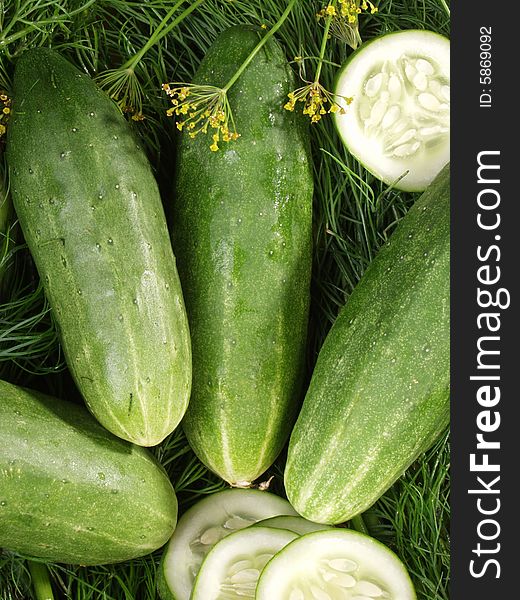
(92, 216)
(72, 492)
(242, 233)
(379, 394)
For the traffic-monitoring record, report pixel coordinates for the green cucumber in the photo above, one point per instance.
(232, 567)
(398, 124)
(242, 234)
(379, 394)
(92, 217)
(296, 524)
(203, 525)
(71, 491)
(334, 564)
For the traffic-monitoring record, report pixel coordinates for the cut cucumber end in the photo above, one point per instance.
(332, 565)
(398, 123)
(202, 526)
(232, 568)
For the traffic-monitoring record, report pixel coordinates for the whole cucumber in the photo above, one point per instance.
(242, 232)
(379, 394)
(91, 214)
(72, 492)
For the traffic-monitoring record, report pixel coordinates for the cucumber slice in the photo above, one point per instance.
(333, 565)
(233, 566)
(299, 525)
(399, 118)
(202, 526)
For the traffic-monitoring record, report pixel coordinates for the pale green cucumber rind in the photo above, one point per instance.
(400, 184)
(169, 585)
(264, 593)
(379, 394)
(92, 216)
(71, 490)
(298, 524)
(234, 211)
(163, 589)
(284, 537)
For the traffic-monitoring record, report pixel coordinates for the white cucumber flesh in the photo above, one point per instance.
(298, 525)
(203, 525)
(398, 123)
(232, 568)
(338, 564)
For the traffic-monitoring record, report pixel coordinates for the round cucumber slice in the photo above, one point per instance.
(233, 566)
(398, 124)
(333, 565)
(202, 526)
(299, 525)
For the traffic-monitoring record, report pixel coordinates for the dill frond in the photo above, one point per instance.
(123, 86)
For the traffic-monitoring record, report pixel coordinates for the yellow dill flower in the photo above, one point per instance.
(216, 139)
(317, 101)
(200, 108)
(5, 104)
(366, 5)
(345, 24)
(331, 10)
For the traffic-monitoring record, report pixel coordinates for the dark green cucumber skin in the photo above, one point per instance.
(242, 233)
(379, 394)
(72, 492)
(92, 217)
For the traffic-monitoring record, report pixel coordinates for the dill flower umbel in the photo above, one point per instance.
(317, 101)
(352, 8)
(345, 23)
(5, 111)
(123, 86)
(202, 109)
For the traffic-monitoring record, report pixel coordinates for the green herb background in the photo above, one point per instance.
(353, 216)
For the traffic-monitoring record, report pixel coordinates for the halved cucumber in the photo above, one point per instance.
(203, 525)
(298, 525)
(333, 565)
(233, 566)
(399, 120)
